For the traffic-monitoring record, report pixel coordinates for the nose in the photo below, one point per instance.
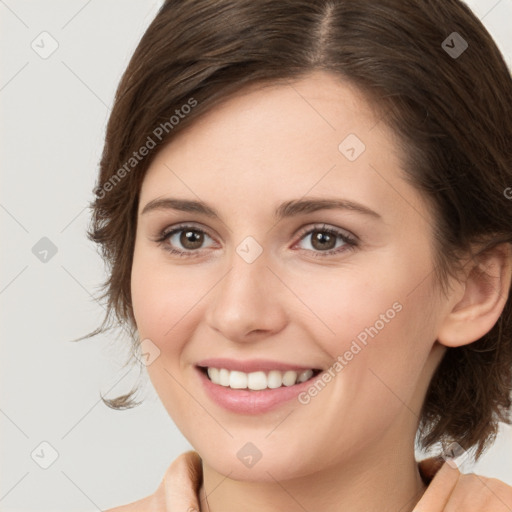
(249, 301)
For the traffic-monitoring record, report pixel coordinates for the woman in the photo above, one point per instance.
(304, 209)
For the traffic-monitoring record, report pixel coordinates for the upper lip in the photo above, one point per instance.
(252, 365)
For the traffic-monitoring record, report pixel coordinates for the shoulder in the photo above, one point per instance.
(144, 505)
(152, 503)
(179, 485)
(449, 489)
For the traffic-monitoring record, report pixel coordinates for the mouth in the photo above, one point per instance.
(258, 380)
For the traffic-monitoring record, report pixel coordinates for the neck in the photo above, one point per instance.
(371, 483)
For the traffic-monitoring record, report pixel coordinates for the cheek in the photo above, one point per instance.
(163, 296)
(166, 305)
(381, 344)
(376, 320)
(348, 304)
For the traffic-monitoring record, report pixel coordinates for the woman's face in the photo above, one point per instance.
(263, 280)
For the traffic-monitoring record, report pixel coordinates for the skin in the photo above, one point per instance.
(258, 149)
(451, 491)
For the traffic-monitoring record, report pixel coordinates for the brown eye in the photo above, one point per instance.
(327, 241)
(322, 240)
(184, 240)
(191, 239)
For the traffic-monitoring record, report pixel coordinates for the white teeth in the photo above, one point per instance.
(237, 380)
(257, 380)
(213, 373)
(274, 379)
(223, 378)
(290, 378)
(305, 375)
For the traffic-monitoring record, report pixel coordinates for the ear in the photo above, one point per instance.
(480, 299)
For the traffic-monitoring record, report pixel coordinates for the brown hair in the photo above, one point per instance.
(452, 114)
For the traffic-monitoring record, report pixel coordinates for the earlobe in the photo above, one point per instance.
(484, 295)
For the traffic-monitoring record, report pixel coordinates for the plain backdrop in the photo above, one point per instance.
(53, 113)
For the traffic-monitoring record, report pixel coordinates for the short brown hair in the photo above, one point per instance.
(452, 114)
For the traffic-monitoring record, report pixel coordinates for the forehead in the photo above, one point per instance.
(318, 135)
(320, 107)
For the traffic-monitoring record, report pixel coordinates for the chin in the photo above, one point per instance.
(268, 468)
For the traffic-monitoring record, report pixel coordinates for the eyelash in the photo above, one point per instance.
(349, 241)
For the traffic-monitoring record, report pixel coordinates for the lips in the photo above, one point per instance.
(263, 392)
(248, 401)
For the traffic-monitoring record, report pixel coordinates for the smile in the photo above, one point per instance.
(258, 380)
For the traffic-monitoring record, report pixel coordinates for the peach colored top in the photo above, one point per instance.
(178, 491)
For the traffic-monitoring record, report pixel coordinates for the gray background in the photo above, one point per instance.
(53, 115)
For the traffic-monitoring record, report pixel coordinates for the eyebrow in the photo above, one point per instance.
(287, 209)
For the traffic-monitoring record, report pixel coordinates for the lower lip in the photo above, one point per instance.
(244, 401)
